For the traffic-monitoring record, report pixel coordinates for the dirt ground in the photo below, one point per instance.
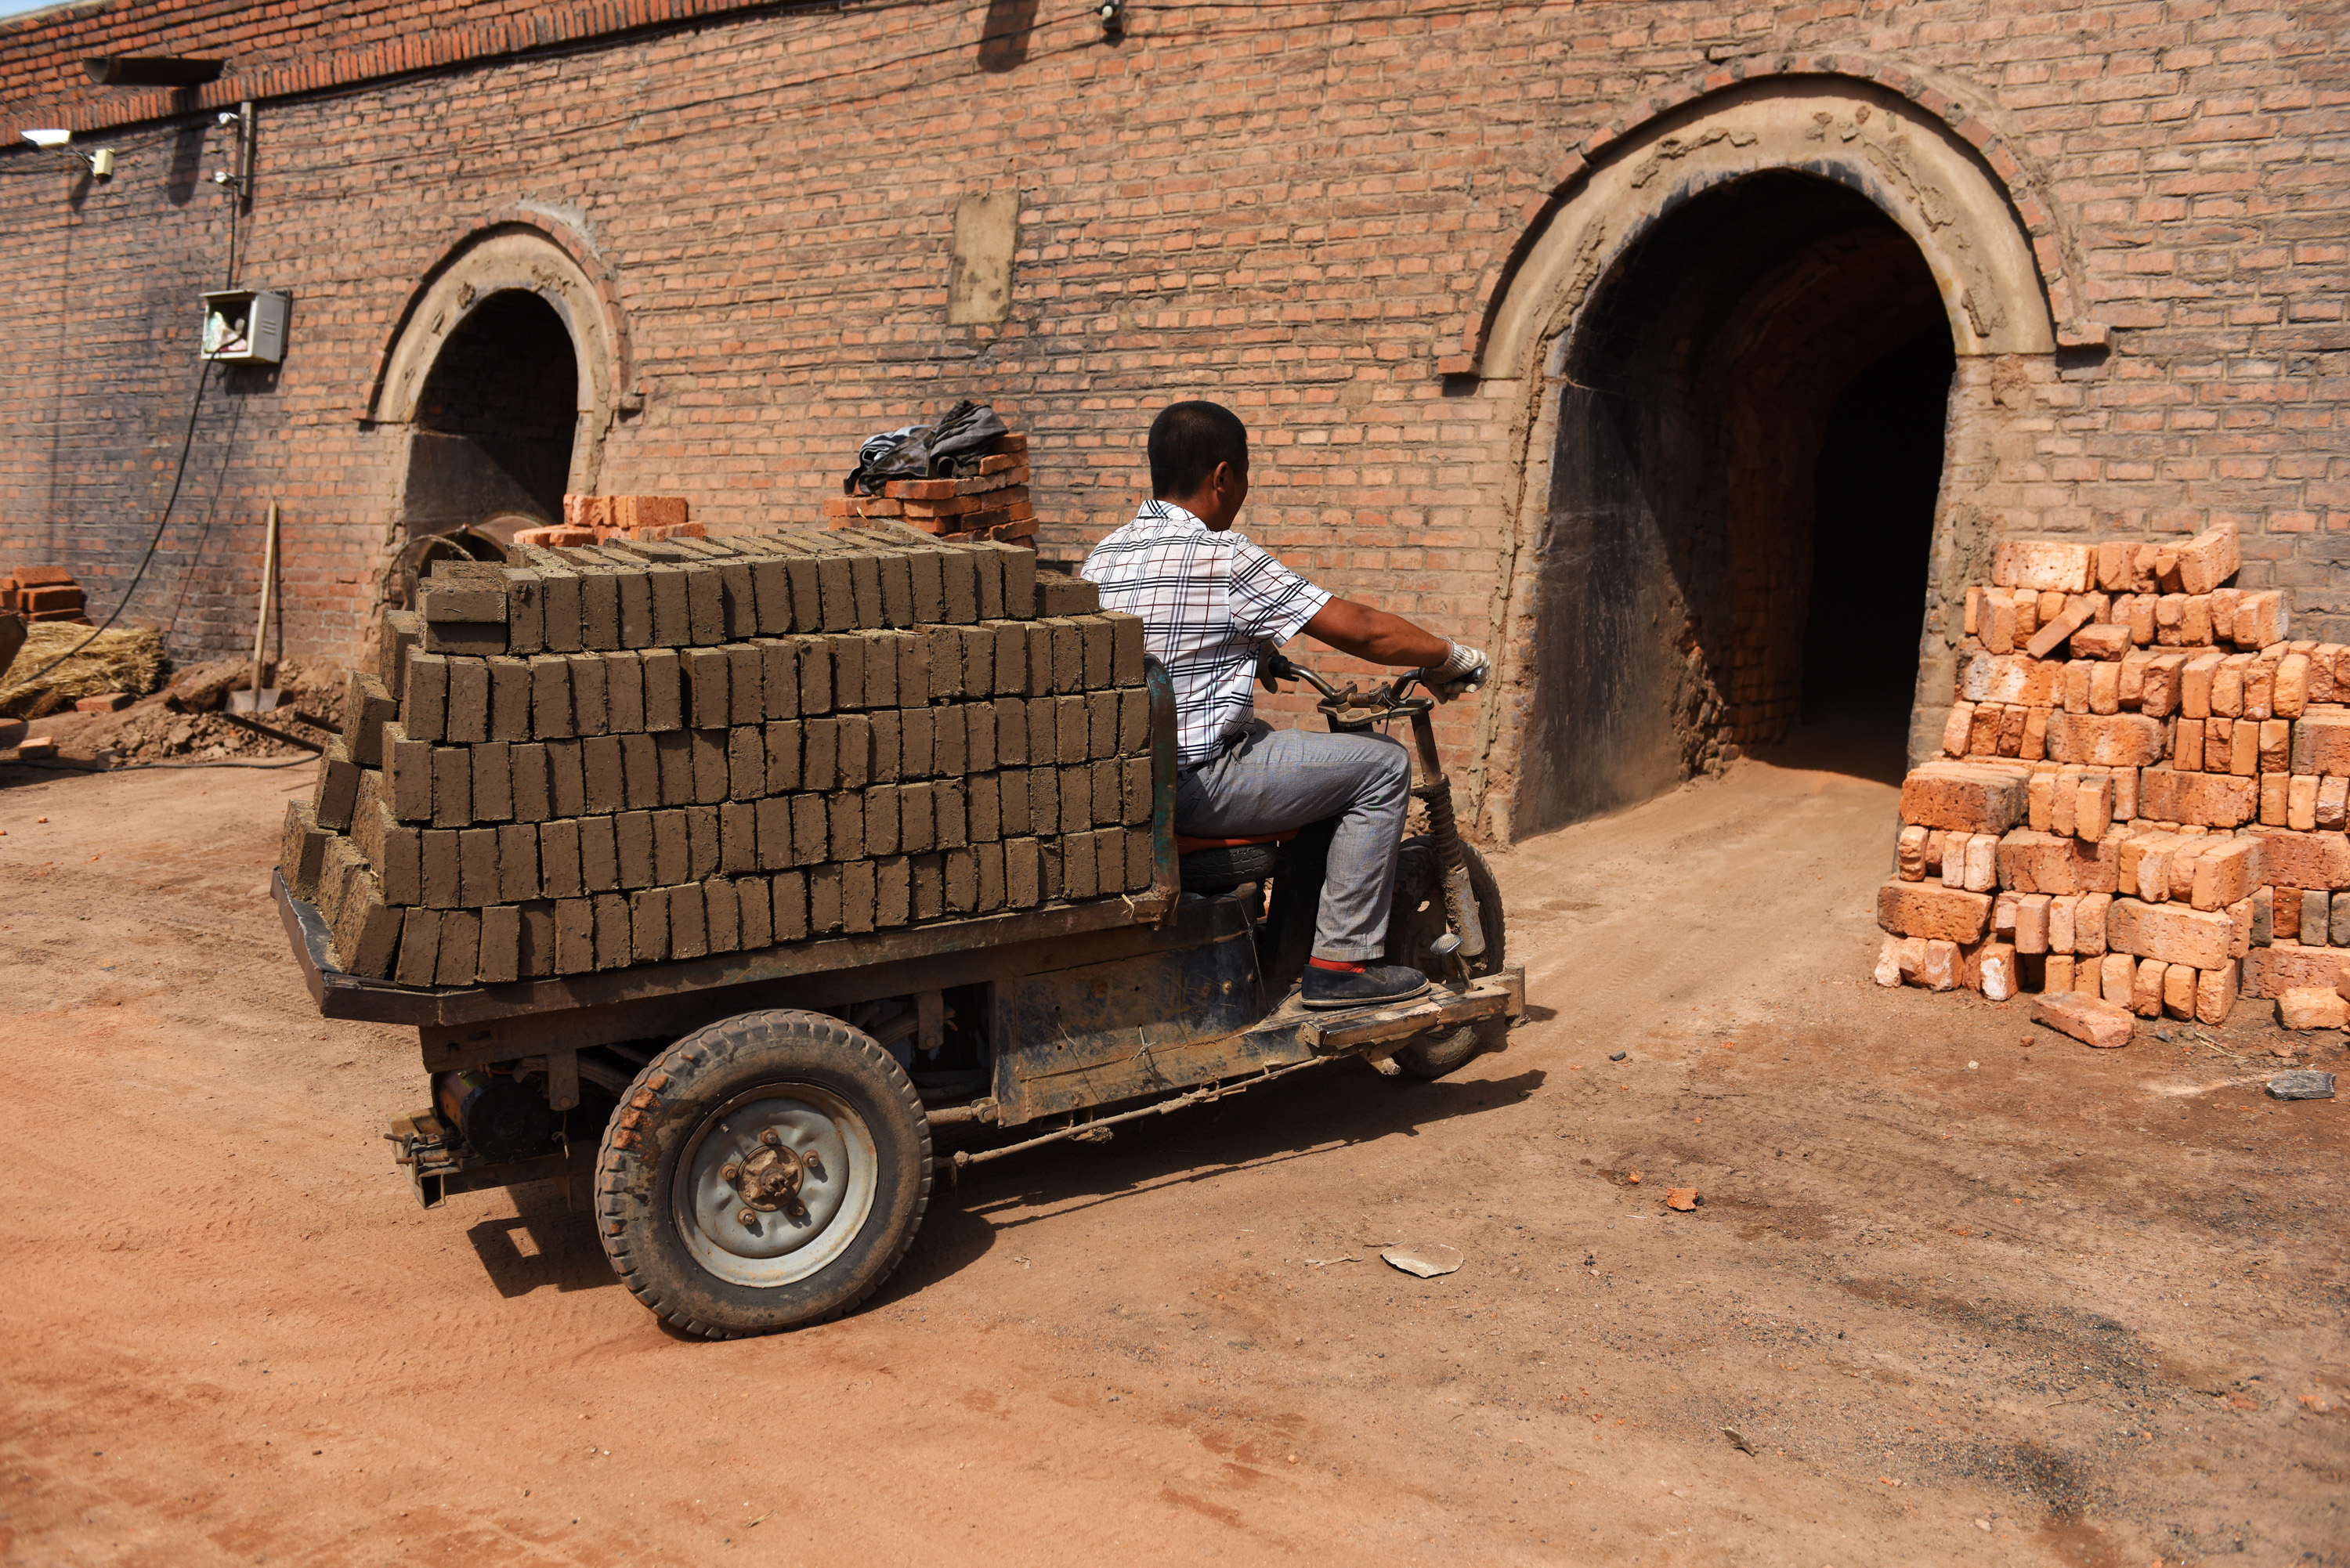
(1966, 1292)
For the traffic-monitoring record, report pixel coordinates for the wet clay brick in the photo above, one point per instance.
(981, 804)
(1134, 773)
(407, 776)
(460, 947)
(468, 713)
(1099, 642)
(517, 860)
(510, 699)
(917, 730)
(1072, 730)
(632, 834)
(853, 758)
(336, 791)
(949, 752)
(665, 687)
(810, 829)
(566, 779)
(783, 744)
(947, 798)
(368, 707)
(1011, 732)
(711, 770)
(575, 936)
(746, 763)
(882, 820)
(819, 753)
(857, 910)
(452, 786)
(420, 948)
(1133, 721)
(640, 771)
(1101, 724)
(689, 917)
(492, 782)
(754, 914)
(721, 911)
(600, 853)
(1127, 649)
(892, 892)
(674, 857)
(788, 905)
(500, 959)
(550, 697)
(709, 704)
(649, 924)
(816, 675)
(624, 693)
(917, 817)
(779, 677)
(1141, 858)
(844, 825)
(823, 899)
(600, 769)
(535, 956)
(702, 842)
(559, 859)
(1021, 889)
(929, 877)
(424, 704)
(848, 658)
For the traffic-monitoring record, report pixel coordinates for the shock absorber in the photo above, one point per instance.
(1436, 790)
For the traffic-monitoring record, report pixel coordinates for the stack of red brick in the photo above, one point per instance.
(628, 753)
(595, 519)
(2145, 794)
(991, 505)
(43, 592)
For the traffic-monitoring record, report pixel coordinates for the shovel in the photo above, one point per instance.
(256, 698)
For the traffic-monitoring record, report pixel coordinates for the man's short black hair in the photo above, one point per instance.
(1187, 442)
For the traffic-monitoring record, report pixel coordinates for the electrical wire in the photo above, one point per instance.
(187, 443)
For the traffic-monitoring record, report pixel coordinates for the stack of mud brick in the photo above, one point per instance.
(992, 506)
(2145, 792)
(599, 519)
(624, 754)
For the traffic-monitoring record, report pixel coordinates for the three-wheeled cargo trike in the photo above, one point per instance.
(760, 1131)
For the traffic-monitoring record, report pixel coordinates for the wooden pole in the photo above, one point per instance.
(268, 580)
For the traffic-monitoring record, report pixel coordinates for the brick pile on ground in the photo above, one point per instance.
(2144, 795)
(44, 593)
(600, 519)
(991, 505)
(627, 753)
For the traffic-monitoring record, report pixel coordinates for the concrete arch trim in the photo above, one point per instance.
(1969, 160)
(529, 251)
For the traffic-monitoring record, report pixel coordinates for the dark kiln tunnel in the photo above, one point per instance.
(1749, 445)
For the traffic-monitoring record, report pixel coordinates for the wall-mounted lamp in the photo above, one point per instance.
(48, 139)
(100, 163)
(1113, 18)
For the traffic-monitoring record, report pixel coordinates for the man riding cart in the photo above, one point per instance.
(727, 880)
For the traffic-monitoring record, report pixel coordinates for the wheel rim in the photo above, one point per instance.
(774, 1185)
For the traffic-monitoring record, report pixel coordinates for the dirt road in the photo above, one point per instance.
(1965, 1299)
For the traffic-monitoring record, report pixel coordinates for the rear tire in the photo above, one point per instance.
(795, 1090)
(1417, 919)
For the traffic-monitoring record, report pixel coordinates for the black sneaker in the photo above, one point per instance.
(1367, 987)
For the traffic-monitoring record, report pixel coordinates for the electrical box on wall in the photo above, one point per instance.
(244, 327)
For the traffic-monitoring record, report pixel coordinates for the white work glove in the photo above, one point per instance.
(1464, 669)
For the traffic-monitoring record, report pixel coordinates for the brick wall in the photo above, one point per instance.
(1292, 209)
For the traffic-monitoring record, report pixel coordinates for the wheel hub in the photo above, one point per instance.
(770, 1180)
(774, 1185)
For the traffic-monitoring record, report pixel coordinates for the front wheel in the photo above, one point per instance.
(1416, 920)
(761, 1174)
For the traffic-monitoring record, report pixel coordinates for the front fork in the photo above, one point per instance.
(1436, 790)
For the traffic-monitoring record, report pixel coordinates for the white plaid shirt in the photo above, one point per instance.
(1208, 603)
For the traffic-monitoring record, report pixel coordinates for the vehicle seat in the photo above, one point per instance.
(1220, 865)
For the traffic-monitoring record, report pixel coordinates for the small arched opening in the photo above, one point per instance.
(1748, 445)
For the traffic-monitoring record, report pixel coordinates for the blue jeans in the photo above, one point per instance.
(1271, 781)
